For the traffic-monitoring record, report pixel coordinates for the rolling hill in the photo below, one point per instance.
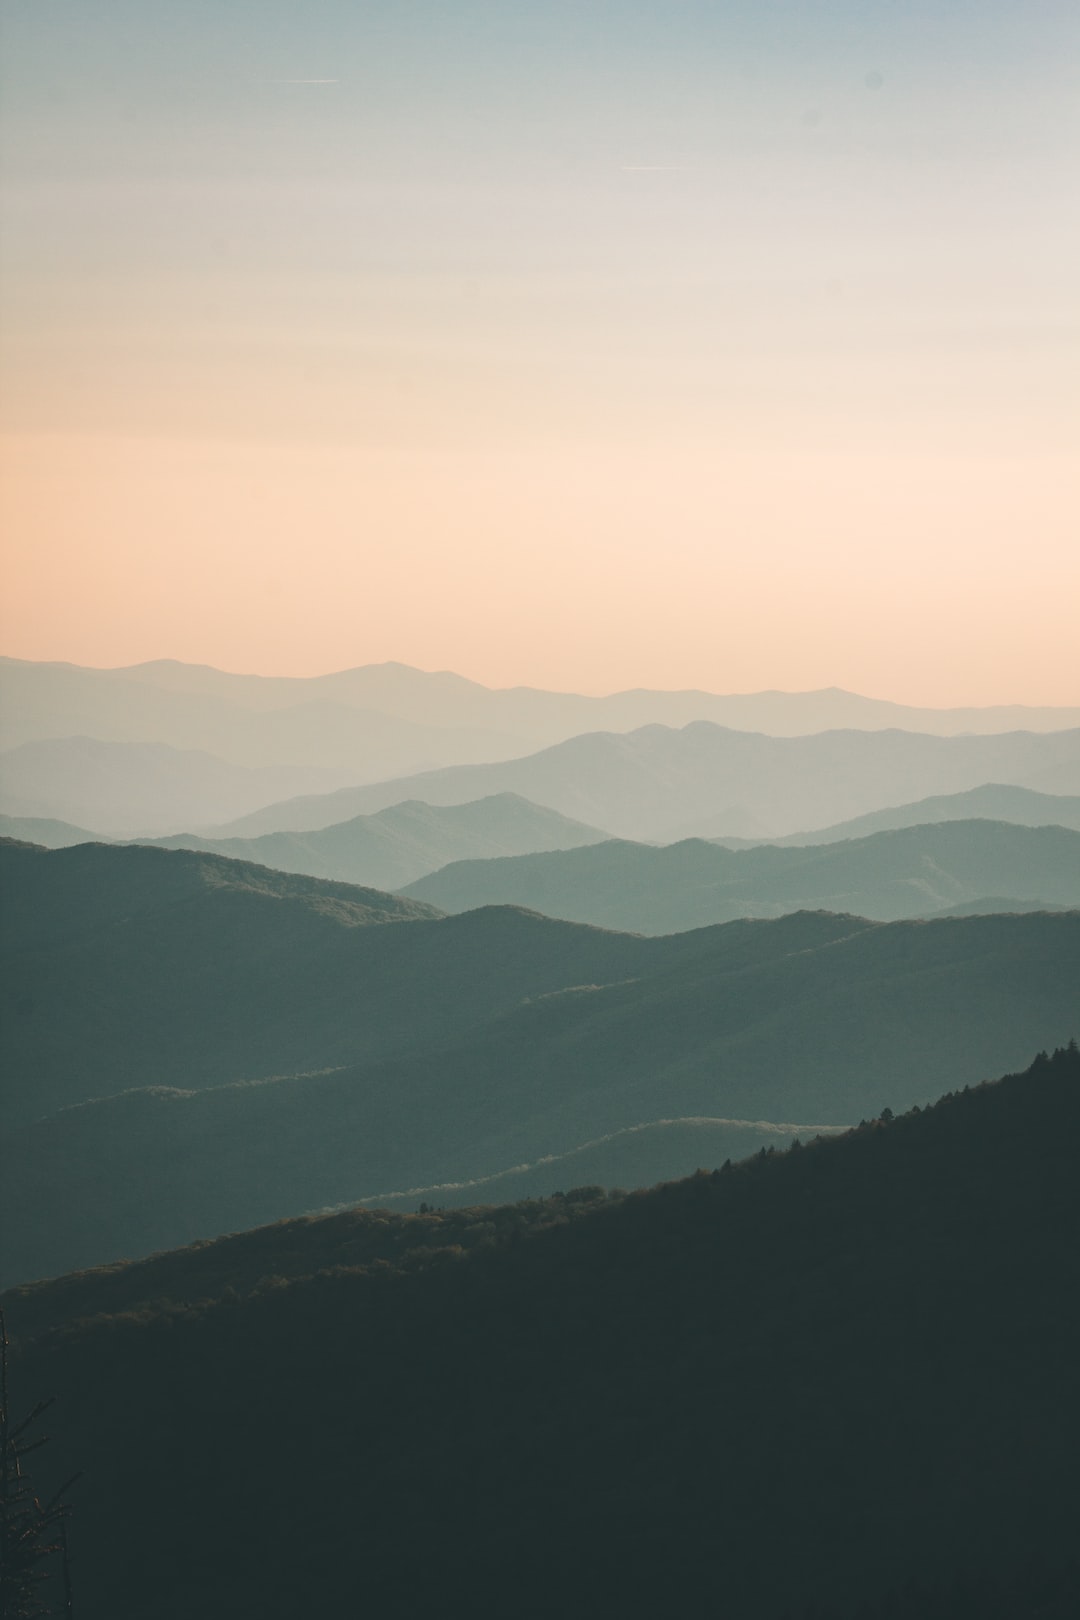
(467, 1058)
(651, 783)
(912, 872)
(406, 841)
(831, 1382)
(127, 966)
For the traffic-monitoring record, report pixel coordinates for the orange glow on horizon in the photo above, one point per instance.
(588, 570)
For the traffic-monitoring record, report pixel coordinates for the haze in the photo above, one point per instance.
(590, 347)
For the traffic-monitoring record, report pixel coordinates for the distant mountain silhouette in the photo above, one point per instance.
(125, 789)
(405, 841)
(912, 872)
(989, 904)
(242, 719)
(993, 801)
(838, 1381)
(389, 719)
(450, 1048)
(649, 782)
(49, 834)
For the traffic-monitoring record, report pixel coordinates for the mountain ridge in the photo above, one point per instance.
(567, 1035)
(643, 784)
(405, 841)
(914, 871)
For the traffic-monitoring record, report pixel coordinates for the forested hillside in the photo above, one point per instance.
(833, 1381)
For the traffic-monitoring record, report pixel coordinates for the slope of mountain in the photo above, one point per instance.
(912, 872)
(49, 834)
(125, 789)
(406, 841)
(644, 784)
(127, 965)
(436, 718)
(639, 1156)
(994, 801)
(839, 1379)
(812, 1017)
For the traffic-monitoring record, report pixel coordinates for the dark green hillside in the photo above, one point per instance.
(813, 1017)
(133, 966)
(820, 1383)
(407, 840)
(912, 872)
(51, 897)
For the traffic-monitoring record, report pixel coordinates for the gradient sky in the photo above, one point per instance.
(581, 344)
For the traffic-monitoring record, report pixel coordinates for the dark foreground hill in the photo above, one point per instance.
(131, 966)
(659, 783)
(836, 1381)
(638, 1156)
(910, 872)
(814, 1018)
(405, 841)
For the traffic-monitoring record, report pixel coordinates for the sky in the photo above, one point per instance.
(584, 345)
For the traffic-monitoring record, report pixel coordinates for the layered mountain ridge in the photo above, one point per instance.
(908, 872)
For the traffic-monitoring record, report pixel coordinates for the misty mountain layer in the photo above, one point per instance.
(399, 719)
(657, 783)
(912, 872)
(993, 801)
(405, 841)
(126, 789)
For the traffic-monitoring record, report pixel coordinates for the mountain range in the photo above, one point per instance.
(661, 784)
(501, 833)
(152, 987)
(405, 841)
(377, 709)
(123, 790)
(837, 1382)
(165, 749)
(132, 966)
(911, 872)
